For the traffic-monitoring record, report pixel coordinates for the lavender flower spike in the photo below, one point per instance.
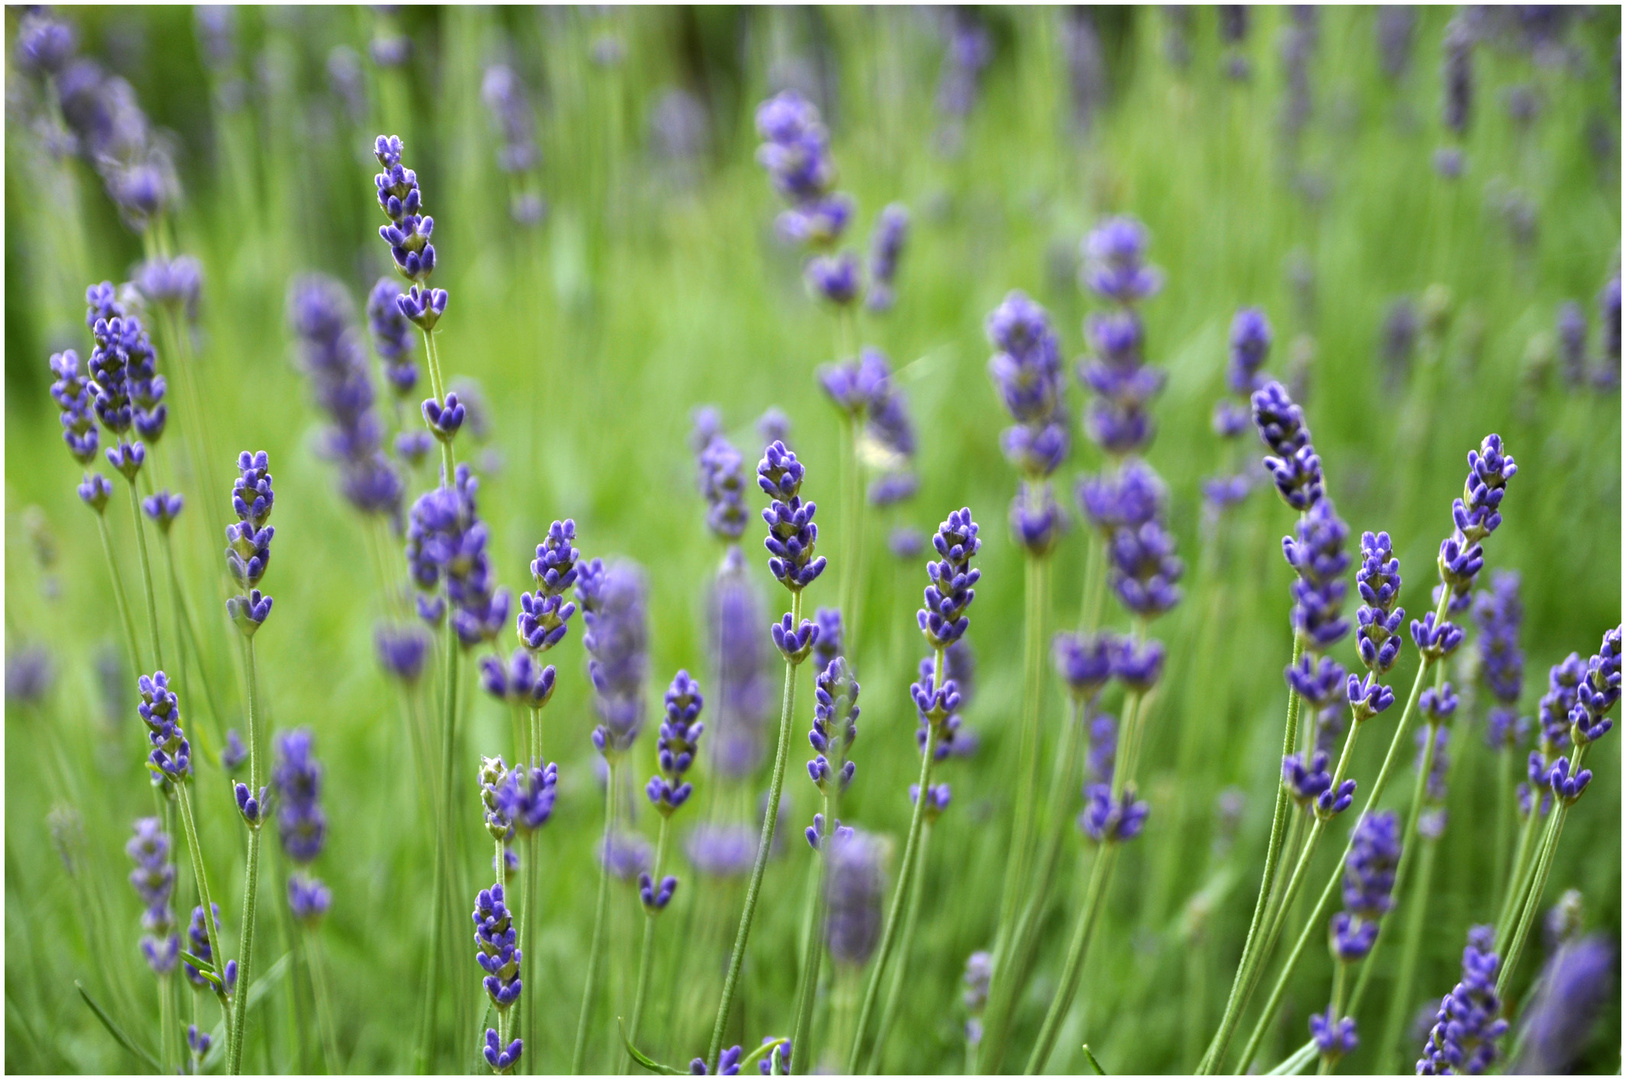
(792, 533)
(943, 619)
(854, 895)
(1318, 557)
(1369, 878)
(1293, 465)
(545, 614)
(249, 540)
(835, 726)
(1463, 1039)
(679, 740)
(617, 643)
(154, 881)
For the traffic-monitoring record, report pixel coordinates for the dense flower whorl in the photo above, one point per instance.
(835, 725)
(1598, 693)
(1379, 617)
(544, 615)
(734, 618)
(679, 739)
(1476, 515)
(886, 248)
(1125, 498)
(1369, 878)
(1317, 555)
(392, 337)
(1084, 661)
(126, 389)
(1027, 373)
(1463, 1039)
(171, 756)
(853, 894)
(73, 394)
(494, 937)
(1293, 464)
(792, 533)
(154, 881)
(249, 541)
(1106, 820)
(402, 202)
(1499, 613)
(446, 541)
(617, 643)
(335, 360)
(1143, 568)
(1115, 261)
(720, 473)
(297, 777)
(943, 619)
(1333, 1037)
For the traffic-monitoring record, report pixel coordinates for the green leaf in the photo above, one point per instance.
(1296, 1062)
(644, 1061)
(1095, 1066)
(256, 993)
(761, 1052)
(203, 967)
(117, 1032)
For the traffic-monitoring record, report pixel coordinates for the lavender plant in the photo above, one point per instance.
(943, 621)
(792, 537)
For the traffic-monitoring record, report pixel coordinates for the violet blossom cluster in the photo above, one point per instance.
(1027, 373)
(335, 360)
(614, 602)
(446, 542)
(301, 825)
(1250, 342)
(796, 153)
(1468, 1023)
(154, 882)
(866, 392)
(1115, 371)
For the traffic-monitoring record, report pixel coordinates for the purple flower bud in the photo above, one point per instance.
(1463, 1039)
(95, 490)
(1333, 1037)
(943, 619)
(1107, 821)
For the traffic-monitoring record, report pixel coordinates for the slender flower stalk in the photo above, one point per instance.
(937, 800)
(1027, 374)
(1596, 696)
(835, 727)
(1295, 469)
(614, 607)
(247, 556)
(943, 621)
(792, 537)
(667, 791)
(408, 236)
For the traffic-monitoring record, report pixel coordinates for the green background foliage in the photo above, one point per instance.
(651, 289)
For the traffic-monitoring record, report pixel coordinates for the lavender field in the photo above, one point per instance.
(852, 540)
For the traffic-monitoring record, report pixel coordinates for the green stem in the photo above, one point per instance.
(1510, 950)
(529, 886)
(1244, 971)
(770, 820)
(119, 595)
(146, 577)
(1082, 933)
(166, 1021)
(1519, 882)
(201, 875)
(647, 953)
(1418, 790)
(1274, 1002)
(812, 949)
(852, 525)
(894, 993)
(1340, 975)
(1400, 999)
(1506, 812)
(1269, 942)
(1016, 866)
(1313, 922)
(901, 891)
(252, 885)
(1011, 977)
(590, 990)
(324, 1001)
(448, 462)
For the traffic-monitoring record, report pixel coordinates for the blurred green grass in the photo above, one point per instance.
(592, 340)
